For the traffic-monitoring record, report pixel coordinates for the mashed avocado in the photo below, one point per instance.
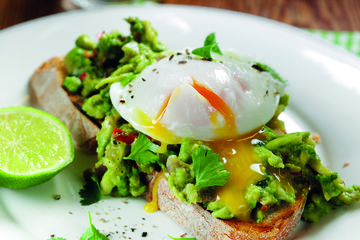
(92, 67)
(288, 164)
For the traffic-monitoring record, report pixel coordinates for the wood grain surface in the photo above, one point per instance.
(339, 15)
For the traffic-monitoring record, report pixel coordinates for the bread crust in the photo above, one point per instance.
(46, 88)
(200, 223)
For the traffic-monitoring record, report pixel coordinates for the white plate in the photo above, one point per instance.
(325, 95)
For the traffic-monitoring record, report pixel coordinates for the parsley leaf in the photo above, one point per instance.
(181, 238)
(143, 150)
(92, 233)
(91, 192)
(210, 45)
(208, 169)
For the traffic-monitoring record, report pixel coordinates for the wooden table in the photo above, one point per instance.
(340, 15)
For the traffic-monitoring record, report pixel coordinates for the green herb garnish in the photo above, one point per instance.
(210, 46)
(91, 192)
(263, 67)
(208, 169)
(143, 150)
(92, 233)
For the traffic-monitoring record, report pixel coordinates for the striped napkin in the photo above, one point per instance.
(348, 40)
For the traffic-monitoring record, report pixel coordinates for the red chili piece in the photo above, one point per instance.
(154, 141)
(99, 35)
(122, 136)
(88, 54)
(264, 208)
(83, 76)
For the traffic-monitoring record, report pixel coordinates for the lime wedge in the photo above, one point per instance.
(34, 147)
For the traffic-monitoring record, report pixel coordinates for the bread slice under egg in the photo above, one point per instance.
(46, 89)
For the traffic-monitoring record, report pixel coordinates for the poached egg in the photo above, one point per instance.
(184, 96)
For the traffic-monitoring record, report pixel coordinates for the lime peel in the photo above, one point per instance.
(34, 147)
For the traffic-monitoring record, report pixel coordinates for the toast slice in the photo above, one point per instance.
(46, 88)
(199, 222)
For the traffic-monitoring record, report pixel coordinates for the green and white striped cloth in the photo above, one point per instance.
(348, 40)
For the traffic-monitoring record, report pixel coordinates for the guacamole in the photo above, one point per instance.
(287, 163)
(92, 67)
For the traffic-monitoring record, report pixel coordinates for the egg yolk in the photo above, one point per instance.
(220, 105)
(245, 169)
(155, 127)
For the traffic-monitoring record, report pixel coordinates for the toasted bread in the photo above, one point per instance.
(199, 222)
(46, 87)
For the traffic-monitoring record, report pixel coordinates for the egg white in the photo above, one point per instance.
(164, 103)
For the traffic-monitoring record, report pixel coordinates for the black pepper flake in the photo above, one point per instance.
(130, 91)
(133, 229)
(143, 79)
(266, 93)
(182, 62)
(144, 234)
(122, 101)
(207, 59)
(178, 53)
(171, 57)
(257, 67)
(132, 97)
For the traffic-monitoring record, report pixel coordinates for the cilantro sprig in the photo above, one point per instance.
(208, 169)
(210, 46)
(91, 192)
(90, 234)
(143, 150)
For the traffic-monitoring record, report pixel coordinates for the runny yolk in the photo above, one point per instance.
(154, 128)
(245, 169)
(163, 108)
(220, 105)
(153, 206)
